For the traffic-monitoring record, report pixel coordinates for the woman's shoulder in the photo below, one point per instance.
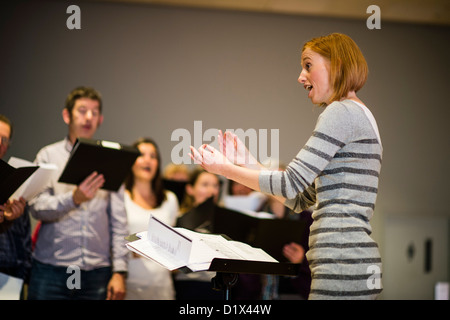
(344, 106)
(170, 194)
(171, 197)
(344, 111)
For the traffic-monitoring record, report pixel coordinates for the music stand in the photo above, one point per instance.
(227, 271)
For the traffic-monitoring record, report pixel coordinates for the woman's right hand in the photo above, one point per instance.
(235, 150)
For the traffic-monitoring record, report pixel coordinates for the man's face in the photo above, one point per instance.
(5, 134)
(85, 118)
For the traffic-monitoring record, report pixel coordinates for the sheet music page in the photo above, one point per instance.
(169, 239)
(174, 248)
(151, 251)
(163, 244)
(10, 287)
(206, 247)
(251, 202)
(36, 182)
(210, 246)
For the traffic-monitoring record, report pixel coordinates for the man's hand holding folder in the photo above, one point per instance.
(97, 162)
(87, 189)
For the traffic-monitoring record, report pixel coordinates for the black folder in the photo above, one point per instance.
(271, 235)
(200, 217)
(177, 187)
(111, 159)
(12, 178)
(254, 267)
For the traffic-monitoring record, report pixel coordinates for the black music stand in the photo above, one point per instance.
(228, 270)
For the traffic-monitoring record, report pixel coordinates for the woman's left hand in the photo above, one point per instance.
(211, 159)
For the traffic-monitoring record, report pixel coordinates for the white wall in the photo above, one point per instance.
(404, 275)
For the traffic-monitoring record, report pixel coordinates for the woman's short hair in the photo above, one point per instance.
(348, 67)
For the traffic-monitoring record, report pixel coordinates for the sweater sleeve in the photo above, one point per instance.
(333, 130)
(303, 200)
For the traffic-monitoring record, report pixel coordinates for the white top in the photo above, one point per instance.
(146, 279)
(371, 118)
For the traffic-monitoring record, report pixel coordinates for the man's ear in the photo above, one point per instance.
(66, 116)
(100, 120)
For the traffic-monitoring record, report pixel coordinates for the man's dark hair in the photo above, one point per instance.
(82, 92)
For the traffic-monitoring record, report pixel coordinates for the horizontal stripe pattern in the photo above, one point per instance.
(344, 261)
(328, 138)
(337, 170)
(357, 155)
(347, 186)
(339, 230)
(345, 245)
(350, 170)
(368, 141)
(331, 202)
(345, 276)
(330, 293)
(342, 215)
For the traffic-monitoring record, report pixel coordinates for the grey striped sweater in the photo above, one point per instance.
(336, 171)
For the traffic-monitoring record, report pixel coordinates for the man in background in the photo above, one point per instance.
(83, 227)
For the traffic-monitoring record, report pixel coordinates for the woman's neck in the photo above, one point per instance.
(143, 195)
(352, 96)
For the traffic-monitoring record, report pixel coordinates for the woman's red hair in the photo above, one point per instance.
(348, 67)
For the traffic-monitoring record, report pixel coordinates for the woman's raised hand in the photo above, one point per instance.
(211, 159)
(235, 150)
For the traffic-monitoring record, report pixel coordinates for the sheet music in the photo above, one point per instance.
(251, 202)
(163, 244)
(152, 251)
(10, 287)
(36, 182)
(224, 248)
(174, 248)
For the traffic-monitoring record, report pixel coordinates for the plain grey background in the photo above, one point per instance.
(162, 68)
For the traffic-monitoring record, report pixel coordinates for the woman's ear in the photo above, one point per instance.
(190, 190)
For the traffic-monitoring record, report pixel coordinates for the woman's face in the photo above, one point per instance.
(315, 77)
(146, 164)
(206, 186)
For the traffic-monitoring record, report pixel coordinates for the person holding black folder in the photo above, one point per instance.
(14, 208)
(15, 240)
(80, 251)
